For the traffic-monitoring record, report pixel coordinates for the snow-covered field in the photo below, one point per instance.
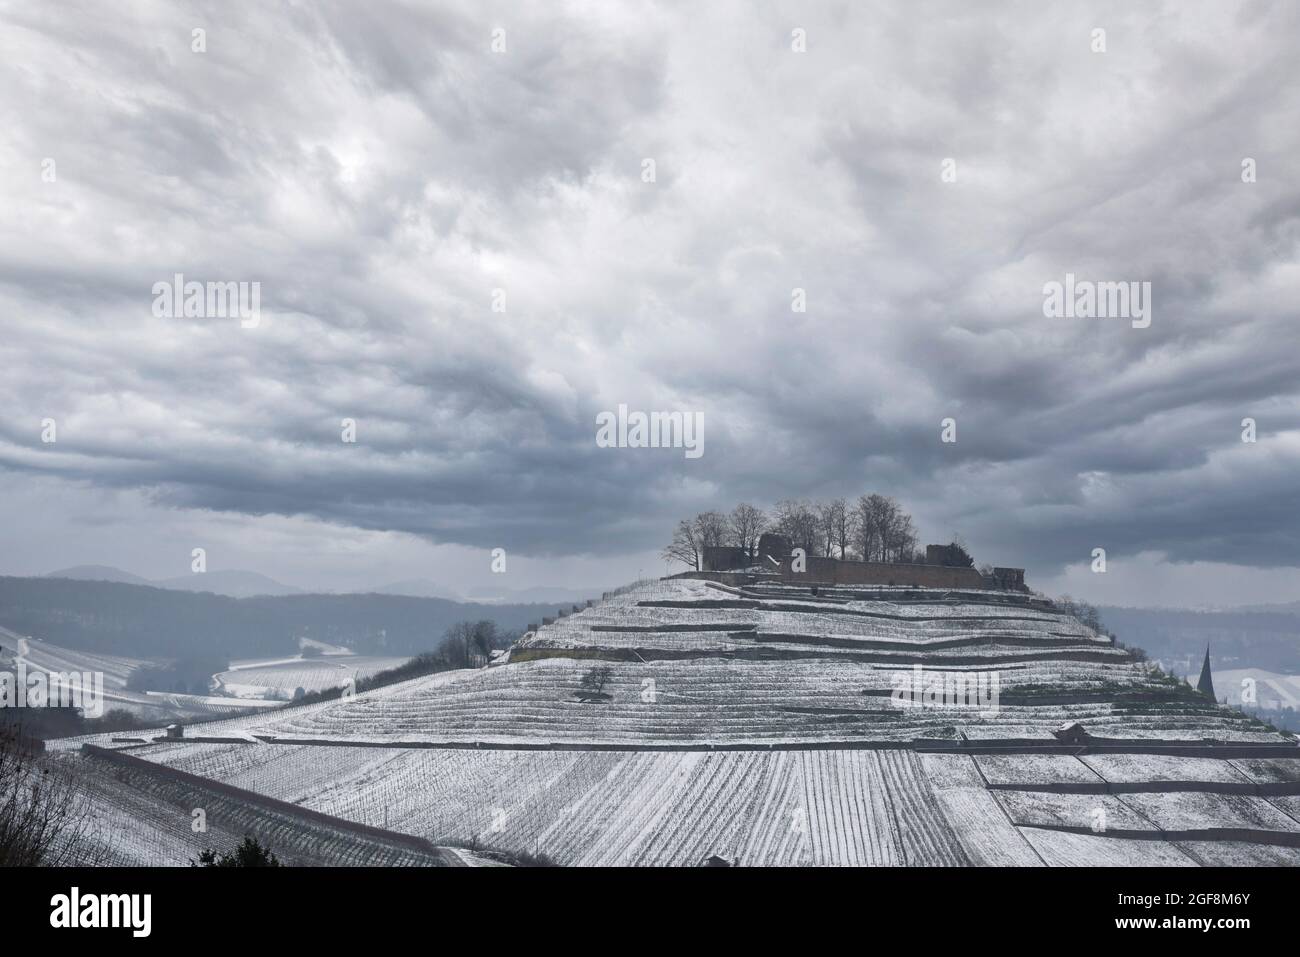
(821, 766)
(255, 679)
(1269, 689)
(782, 807)
(702, 688)
(162, 707)
(147, 818)
(786, 807)
(47, 657)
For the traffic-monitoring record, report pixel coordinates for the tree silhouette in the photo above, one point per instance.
(250, 853)
(593, 684)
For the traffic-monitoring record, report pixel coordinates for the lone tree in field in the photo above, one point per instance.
(593, 684)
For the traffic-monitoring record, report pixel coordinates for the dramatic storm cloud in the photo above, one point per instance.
(448, 211)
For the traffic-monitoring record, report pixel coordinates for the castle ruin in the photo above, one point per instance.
(774, 556)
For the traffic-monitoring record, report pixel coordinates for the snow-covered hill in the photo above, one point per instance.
(684, 718)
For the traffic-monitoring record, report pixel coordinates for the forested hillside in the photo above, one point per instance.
(157, 623)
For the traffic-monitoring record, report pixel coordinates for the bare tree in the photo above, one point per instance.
(745, 525)
(885, 532)
(592, 686)
(685, 546)
(843, 519)
(45, 817)
(457, 645)
(870, 511)
(874, 528)
(899, 535)
(798, 522)
(690, 538)
(483, 637)
(711, 528)
(1087, 614)
(825, 512)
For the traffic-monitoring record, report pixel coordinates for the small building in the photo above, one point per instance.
(714, 860)
(175, 731)
(1071, 733)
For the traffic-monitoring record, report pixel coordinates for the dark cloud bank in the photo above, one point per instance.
(383, 173)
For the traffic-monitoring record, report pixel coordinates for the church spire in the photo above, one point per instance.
(1206, 685)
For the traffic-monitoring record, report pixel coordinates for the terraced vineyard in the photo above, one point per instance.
(146, 816)
(761, 724)
(693, 662)
(784, 807)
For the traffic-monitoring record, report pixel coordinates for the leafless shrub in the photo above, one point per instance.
(45, 818)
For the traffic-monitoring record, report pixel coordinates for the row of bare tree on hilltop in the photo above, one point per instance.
(874, 528)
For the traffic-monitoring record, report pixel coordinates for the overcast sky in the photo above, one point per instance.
(381, 173)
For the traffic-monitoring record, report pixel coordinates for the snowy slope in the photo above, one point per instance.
(758, 724)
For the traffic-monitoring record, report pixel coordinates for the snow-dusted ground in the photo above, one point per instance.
(255, 679)
(47, 657)
(148, 818)
(162, 707)
(782, 807)
(693, 665)
(1268, 688)
(792, 677)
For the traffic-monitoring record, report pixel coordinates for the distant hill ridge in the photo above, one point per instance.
(236, 583)
(1238, 638)
(239, 583)
(148, 621)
